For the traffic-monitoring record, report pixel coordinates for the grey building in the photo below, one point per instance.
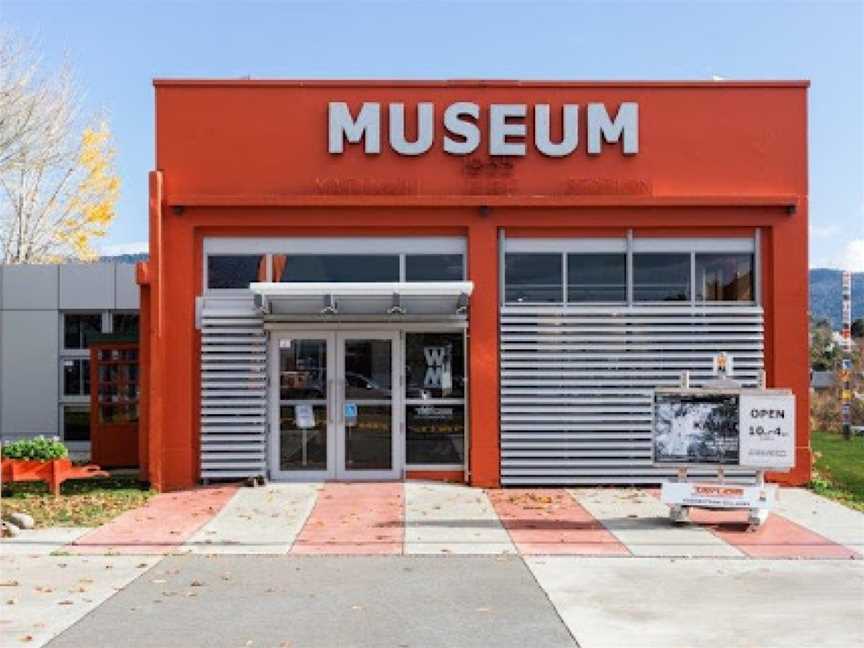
(47, 313)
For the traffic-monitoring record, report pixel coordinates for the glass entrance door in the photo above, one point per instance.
(334, 409)
(302, 425)
(367, 416)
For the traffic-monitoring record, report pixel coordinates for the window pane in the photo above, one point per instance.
(79, 327)
(76, 423)
(434, 365)
(661, 277)
(302, 369)
(433, 267)
(126, 324)
(435, 434)
(303, 437)
(368, 369)
(76, 377)
(336, 267)
(596, 277)
(533, 278)
(235, 271)
(724, 277)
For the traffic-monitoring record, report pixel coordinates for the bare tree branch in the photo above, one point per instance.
(56, 172)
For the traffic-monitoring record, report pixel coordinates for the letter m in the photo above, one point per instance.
(626, 125)
(343, 127)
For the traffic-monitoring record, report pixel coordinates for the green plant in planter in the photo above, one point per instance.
(35, 449)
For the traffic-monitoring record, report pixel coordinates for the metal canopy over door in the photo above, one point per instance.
(335, 405)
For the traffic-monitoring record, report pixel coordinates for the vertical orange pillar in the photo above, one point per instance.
(156, 353)
(485, 457)
(788, 354)
(143, 378)
(179, 349)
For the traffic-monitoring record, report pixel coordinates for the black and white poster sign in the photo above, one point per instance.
(692, 428)
(767, 431)
(747, 428)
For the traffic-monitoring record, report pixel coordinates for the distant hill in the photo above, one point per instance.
(125, 258)
(825, 295)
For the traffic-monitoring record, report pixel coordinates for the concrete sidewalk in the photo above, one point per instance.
(661, 584)
(434, 518)
(466, 601)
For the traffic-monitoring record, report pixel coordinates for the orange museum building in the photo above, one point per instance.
(477, 281)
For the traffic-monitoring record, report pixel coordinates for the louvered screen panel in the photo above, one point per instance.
(233, 389)
(576, 385)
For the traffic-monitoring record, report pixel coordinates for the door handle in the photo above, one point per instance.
(340, 393)
(330, 404)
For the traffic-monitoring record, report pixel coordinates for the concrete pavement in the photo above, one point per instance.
(435, 518)
(357, 601)
(448, 519)
(662, 602)
(257, 521)
(43, 595)
(460, 537)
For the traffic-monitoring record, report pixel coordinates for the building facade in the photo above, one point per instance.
(474, 281)
(48, 316)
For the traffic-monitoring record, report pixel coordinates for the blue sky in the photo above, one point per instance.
(117, 47)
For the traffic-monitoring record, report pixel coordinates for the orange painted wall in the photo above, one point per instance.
(249, 158)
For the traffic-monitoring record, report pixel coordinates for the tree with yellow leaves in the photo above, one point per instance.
(58, 186)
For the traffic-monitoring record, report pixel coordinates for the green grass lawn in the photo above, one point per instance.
(838, 468)
(82, 502)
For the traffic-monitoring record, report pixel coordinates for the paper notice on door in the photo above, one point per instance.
(304, 417)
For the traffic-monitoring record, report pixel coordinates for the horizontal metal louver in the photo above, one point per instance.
(233, 389)
(576, 384)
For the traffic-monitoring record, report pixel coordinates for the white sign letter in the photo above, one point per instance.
(367, 126)
(499, 129)
(626, 123)
(569, 130)
(425, 129)
(465, 129)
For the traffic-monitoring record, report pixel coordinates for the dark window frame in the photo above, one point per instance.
(439, 401)
(687, 296)
(413, 255)
(508, 286)
(570, 256)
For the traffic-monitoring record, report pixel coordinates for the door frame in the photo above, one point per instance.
(335, 337)
(396, 470)
(274, 403)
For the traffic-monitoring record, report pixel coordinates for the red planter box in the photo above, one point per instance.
(53, 472)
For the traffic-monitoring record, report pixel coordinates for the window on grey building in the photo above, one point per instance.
(659, 277)
(235, 271)
(336, 267)
(125, 324)
(434, 267)
(724, 277)
(596, 277)
(79, 327)
(76, 377)
(76, 423)
(533, 278)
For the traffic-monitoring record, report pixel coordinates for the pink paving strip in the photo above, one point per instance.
(159, 527)
(550, 521)
(777, 537)
(355, 518)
